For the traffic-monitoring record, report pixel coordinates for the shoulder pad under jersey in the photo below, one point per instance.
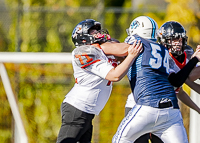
(131, 39)
(86, 55)
(189, 51)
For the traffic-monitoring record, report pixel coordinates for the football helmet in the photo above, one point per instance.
(82, 36)
(143, 26)
(168, 32)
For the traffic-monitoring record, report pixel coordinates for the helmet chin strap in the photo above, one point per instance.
(176, 53)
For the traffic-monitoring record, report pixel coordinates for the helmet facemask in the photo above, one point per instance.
(175, 44)
(173, 36)
(99, 36)
(88, 32)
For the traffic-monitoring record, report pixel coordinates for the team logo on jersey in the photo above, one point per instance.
(135, 24)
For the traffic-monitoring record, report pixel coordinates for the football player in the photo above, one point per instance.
(94, 74)
(173, 36)
(182, 53)
(151, 81)
(147, 29)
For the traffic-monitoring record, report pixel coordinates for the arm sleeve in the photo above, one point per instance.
(177, 79)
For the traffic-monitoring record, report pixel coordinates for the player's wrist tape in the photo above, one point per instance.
(177, 79)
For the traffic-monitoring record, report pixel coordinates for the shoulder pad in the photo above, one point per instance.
(86, 55)
(131, 39)
(189, 51)
(188, 48)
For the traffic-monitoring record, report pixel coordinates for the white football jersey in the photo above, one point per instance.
(91, 90)
(177, 66)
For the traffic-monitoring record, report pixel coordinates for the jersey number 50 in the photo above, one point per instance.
(158, 61)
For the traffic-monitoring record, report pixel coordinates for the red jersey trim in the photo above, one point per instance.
(76, 81)
(91, 63)
(180, 65)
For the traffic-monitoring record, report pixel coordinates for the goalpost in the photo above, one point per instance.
(194, 128)
(42, 57)
(20, 57)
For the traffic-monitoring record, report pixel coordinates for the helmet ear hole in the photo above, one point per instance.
(142, 24)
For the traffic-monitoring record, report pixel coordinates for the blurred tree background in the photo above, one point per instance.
(46, 26)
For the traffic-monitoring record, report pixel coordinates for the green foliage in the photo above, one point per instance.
(6, 118)
(185, 12)
(46, 26)
(4, 41)
(114, 111)
(41, 90)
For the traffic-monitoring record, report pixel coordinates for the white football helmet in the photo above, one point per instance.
(143, 26)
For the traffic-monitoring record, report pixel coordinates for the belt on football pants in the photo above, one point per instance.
(165, 104)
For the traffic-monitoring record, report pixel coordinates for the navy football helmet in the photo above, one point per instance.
(168, 32)
(82, 36)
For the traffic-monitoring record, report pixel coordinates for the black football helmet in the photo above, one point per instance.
(81, 35)
(171, 30)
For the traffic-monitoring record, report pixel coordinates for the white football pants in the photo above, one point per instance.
(166, 123)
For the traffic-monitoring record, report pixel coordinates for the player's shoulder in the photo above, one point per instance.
(89, 49)
(144, 40)
(189, 51)
(188, 47)
(131, 39)
(86, 54)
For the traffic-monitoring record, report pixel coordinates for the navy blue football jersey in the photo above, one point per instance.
(149, 73)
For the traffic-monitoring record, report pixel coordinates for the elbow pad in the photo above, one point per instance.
(177, 79)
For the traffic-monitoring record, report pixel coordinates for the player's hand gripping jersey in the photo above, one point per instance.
(151, 69)
(91, 90)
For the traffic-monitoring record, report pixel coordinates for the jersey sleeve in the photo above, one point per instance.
(92, 59)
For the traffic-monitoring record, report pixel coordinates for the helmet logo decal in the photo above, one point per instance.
(135, 24)
(78, 29)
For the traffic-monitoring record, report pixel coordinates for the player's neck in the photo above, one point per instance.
(179, 58)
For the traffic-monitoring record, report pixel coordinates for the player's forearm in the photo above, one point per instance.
(177, 79)
(121, 70)
(183, 97)
(116, 49)
(195, 74)
(193, 85)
